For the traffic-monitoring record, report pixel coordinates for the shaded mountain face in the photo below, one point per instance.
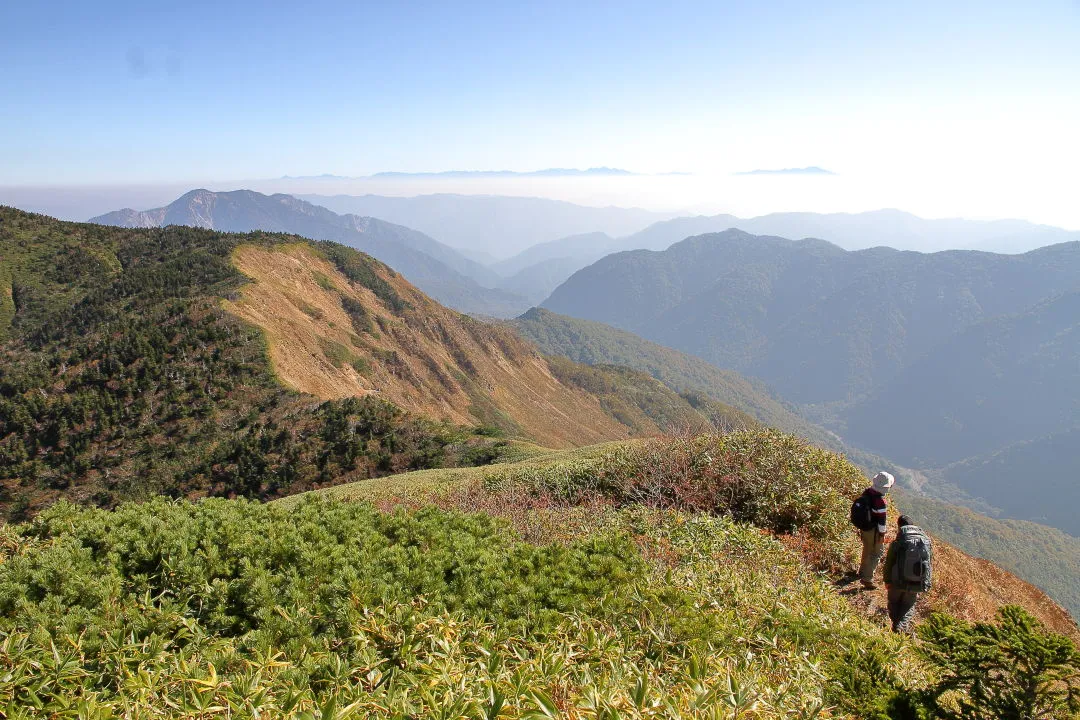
(440, 270)
(1005, 379)
(587, 247)
(1033, 479)
(926, 359)
(497, 226)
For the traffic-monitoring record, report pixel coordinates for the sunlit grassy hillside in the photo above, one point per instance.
(690, 578)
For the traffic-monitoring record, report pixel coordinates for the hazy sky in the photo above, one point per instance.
(943, 108)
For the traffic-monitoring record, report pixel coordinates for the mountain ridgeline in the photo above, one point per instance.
(929, 360)
(538, 270)
(190, 362)
(436, 268)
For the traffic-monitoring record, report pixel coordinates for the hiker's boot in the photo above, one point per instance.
(869, 585)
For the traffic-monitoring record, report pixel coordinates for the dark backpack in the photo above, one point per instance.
(862, 512)
(912, 567)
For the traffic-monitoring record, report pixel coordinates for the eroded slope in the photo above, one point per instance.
(333, 337)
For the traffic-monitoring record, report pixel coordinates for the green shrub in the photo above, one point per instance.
(1012, 669)
(323, 281)
(358, 315)
(763, 477)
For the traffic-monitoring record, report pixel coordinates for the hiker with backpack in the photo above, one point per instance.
(868, 514)
(907, 572)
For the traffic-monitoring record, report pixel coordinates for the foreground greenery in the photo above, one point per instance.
(335, 610)
(669, 578)
(340, 610)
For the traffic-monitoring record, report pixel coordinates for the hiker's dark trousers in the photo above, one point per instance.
(902, 609)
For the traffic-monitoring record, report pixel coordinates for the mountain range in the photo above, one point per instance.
(493, 227)
(928, 359)
(534, 270)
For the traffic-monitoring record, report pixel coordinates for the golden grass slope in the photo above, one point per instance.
(427, 359)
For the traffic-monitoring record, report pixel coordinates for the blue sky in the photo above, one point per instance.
(116, 92)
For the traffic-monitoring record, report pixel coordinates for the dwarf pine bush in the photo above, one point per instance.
(1014, 668)
(232, 608)
(763, 477)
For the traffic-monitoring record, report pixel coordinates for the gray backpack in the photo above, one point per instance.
(912, 568)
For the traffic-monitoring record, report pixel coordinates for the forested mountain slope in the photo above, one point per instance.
(1007, 378)
(437, 268)
(150, 361)
(594, 343)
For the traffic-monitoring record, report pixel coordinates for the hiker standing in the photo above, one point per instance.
(868, 514)
(907, 572)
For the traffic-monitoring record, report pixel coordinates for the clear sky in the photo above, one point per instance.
(982, 97)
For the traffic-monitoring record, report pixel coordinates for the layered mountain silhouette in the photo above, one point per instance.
(858, 231)
(492, 226)
(929, 359)
(533, 270)
(437, 268)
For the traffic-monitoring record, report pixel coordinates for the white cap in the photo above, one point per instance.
(883, 481)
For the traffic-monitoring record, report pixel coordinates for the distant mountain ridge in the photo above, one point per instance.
(811, 170)
(500, 226)
(435, 267)
(859, 231)
(881, 228)
(546, 172)
(928, 359)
